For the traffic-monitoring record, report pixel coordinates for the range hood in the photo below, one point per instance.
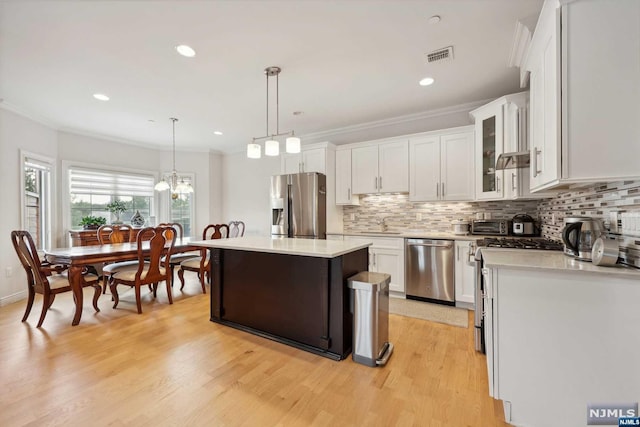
(513, 160)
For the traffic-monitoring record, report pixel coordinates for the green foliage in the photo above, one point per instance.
(117, 206)
(90, 220)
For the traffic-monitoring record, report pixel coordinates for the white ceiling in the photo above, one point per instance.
(343, 63)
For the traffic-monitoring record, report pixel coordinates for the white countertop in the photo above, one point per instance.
(549, 260)
(304, 247)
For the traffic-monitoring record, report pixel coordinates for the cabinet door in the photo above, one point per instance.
(424, 169)
(390, 261)
(364, 170)
(488, 147)
(465, 273)
(344, 195)
(545, 101)
(456, 171)
(393, 164)
(314, 160)
(291, 163)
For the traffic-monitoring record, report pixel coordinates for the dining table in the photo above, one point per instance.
(78, 258)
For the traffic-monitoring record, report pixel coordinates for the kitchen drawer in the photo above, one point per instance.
(379, 242)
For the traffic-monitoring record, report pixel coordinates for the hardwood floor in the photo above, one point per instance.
(171, 366)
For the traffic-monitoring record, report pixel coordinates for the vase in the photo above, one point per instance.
(117, 220)
(137, 220)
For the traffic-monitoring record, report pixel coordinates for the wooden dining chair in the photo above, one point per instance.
(113, 234)
(236, 228)
(150, 269)
(200, 264)
(44, 278)
(176, 259)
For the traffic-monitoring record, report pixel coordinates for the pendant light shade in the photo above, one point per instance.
(254, 151)
(293, 144)
(176, 187)
(272, 145)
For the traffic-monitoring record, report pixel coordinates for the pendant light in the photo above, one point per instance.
(272, 145)
(176, 184)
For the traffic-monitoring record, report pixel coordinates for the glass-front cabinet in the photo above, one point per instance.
(489, 145)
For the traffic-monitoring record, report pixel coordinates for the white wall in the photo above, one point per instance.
(216, 188)
(245, 193)
(16, 133)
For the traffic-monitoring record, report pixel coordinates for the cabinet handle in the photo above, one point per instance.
(497, 183)
(513, 181)
(380, 182)
(375, 182)
(437, 189)
(299, 167)
(302, 167)
(536, 152)
(457, 253)
(348, 193)
(443, 189)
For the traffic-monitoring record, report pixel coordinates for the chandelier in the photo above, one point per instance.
(271, 145)
(176, 184)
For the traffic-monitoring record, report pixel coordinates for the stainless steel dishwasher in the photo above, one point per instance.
(429, 270)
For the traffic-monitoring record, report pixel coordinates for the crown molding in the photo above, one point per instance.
(461, 108)
(28, 115)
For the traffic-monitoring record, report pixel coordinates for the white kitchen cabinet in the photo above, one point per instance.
(380, 168)
(465, 274)
(308, 160)
(386, 255)
(335, 236)
(441, 165)
(584, 98)
(344, 193)
(501, 127)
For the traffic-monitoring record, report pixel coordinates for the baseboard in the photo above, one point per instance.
(10, 299)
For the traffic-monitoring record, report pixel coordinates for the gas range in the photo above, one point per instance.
(520, 243)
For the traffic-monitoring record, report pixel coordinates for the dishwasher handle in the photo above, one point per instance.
(430, 243)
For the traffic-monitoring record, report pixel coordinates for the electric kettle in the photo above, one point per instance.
(579, 235)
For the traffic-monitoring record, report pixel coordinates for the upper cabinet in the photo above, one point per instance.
(584, 96)
(308, 160)
(441, 165)
(501, 127)
(380, 168)
(344, 191)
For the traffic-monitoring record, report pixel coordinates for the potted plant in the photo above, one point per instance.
(90, 222)
(116, 207)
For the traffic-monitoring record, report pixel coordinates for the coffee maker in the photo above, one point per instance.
(579, 234)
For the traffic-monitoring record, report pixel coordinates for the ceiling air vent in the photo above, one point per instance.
(440, 55)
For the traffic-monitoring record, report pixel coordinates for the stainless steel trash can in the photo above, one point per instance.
(370, 298)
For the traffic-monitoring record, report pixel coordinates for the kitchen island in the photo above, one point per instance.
(293, 291)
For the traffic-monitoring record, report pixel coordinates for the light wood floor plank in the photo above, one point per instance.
(171, 366)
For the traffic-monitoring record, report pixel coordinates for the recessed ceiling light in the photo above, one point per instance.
(101, 97)
(434, 19)
(426, 81)
(151, 121)
(185, 50)
(217, 132)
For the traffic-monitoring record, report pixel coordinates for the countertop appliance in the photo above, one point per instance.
(460, 227)
(299, 205)
(506, 243)
(493, 227)
(579, 234)
(429, 268)
(524, 225)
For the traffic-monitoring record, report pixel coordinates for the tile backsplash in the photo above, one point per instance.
(597, 201)
(400, 214)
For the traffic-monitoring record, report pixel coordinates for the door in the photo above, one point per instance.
(314, 160)
(364, 172)
(488, 148)
(393, 167)
(391, 262)
(291, 163)
(456, 171)
(280, 205)
(343, 177)
(305, 204)
(465, 273)
(424, 169)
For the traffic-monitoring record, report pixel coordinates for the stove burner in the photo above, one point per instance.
(519, 243)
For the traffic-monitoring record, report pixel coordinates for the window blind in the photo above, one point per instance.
(93, 181)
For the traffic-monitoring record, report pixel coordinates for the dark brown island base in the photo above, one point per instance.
(293, 291)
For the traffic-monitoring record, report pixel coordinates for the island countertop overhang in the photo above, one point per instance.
(303, 247)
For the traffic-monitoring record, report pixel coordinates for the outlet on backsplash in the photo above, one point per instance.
(418, 216)
(352, 217)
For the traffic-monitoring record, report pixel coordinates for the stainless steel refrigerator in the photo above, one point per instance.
(299, 205)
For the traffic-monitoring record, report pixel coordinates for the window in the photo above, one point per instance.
(36, 205)
(181, 209)
(91, 190)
